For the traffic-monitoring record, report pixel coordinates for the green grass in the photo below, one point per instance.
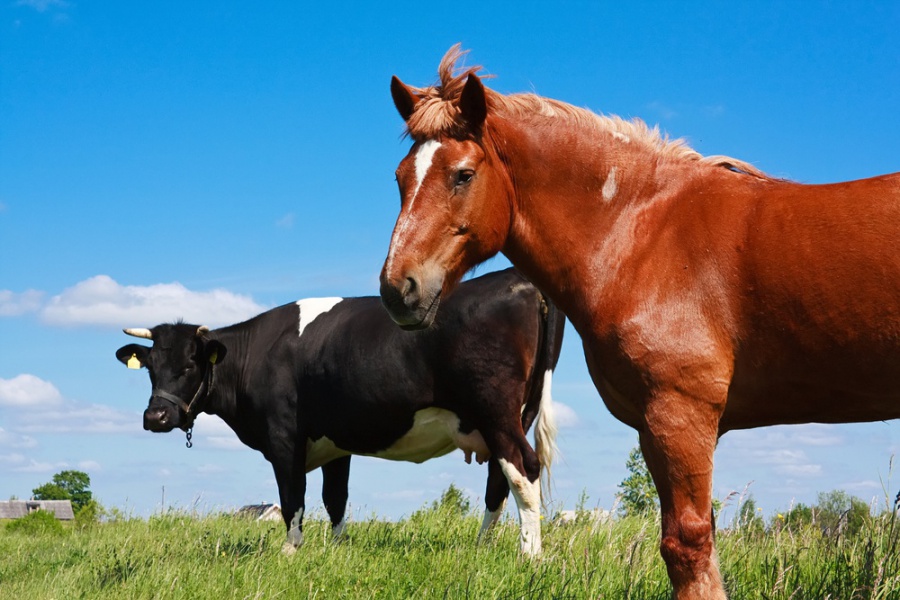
(428, 555)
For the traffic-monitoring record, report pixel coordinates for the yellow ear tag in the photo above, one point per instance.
(213, 358)
(133, 362)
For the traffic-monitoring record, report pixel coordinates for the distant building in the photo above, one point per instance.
(595, 516)
(16, 509)
(261, 512)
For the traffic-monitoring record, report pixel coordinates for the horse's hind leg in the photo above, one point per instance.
(495, 495)
(678, 441)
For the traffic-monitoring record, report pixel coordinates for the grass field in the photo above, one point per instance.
(429, 555)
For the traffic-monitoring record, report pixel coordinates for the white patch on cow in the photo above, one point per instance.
(310, 308)
(528, 499)
(294, 534)
(435, 432)
(490, 519)
(609, 186)
(320, 452)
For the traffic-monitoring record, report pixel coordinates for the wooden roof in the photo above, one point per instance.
(15, 509)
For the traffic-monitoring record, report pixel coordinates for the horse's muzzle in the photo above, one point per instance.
(409, 303)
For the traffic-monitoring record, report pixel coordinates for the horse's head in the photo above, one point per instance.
(455, 200)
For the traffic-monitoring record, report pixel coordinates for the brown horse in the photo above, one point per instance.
(709, 296)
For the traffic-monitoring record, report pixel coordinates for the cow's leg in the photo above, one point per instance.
(291, 477)
(495, 496)
(335, 478)
(521, 467)
(678, 443)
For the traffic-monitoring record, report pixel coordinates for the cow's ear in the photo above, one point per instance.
(133, 356)
(214, 351)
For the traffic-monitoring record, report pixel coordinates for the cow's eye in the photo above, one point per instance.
(464, 176)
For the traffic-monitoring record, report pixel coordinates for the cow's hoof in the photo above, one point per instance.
(288, 549)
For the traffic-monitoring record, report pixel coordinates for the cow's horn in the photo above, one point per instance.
(140, 332)
(202, 330)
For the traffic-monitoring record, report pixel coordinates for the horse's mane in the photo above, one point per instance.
(437, 114)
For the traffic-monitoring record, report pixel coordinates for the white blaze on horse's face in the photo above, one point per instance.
(424, 158)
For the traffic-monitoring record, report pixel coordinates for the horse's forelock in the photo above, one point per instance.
(437, 112)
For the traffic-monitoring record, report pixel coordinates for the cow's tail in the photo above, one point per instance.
(540, 399)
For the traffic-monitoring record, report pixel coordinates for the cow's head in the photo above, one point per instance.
(180, 364)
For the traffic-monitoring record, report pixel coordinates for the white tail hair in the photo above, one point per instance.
(545, 430)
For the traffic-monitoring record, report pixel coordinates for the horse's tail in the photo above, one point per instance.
(540, 400)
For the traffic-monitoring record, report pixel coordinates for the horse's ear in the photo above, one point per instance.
(404, 99)
(472, 102)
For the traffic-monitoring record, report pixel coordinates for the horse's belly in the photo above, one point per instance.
(777, 397)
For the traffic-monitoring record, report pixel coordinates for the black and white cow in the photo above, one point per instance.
(312, 382)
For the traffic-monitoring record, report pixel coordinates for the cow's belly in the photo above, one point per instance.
(320, 452)
(435, 432)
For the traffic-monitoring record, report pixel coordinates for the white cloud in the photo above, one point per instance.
(28, 391)
(14, 305)
(400, 495)
(285, 222)
(782, 448)
(664, 111)
(34, 466)
(565, 415)
(210, 469)
(214, 431)
(42, 5)
(799, 470)
(12, 459)
(75, 417)
(14, 440)
(100, 300)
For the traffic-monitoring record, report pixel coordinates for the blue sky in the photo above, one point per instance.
(212, 160)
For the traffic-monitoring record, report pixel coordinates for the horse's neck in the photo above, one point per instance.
(577, 198)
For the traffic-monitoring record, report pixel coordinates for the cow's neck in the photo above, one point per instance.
(228, 387)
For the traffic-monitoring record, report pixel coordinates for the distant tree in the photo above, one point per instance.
(66, 485)
(799, 516)
(637, 495)
(453, 500)
(749, 517)
(839, 511)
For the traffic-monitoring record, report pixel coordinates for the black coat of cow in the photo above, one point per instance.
(312, 382)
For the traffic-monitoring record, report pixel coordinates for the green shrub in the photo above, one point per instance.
(88, 514)
(39, 522)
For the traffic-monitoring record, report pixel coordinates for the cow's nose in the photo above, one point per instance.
(156, 419)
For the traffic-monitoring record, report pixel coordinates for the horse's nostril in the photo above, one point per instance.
(410, 288)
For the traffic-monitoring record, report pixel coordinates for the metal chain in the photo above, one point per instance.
(189, 434)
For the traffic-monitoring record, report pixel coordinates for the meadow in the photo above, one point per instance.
(430, 554)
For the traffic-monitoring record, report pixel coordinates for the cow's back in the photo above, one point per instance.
(361, 379)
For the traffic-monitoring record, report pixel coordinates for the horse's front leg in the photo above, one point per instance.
(678, 441)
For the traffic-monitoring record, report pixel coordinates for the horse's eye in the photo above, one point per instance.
(464, 176)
